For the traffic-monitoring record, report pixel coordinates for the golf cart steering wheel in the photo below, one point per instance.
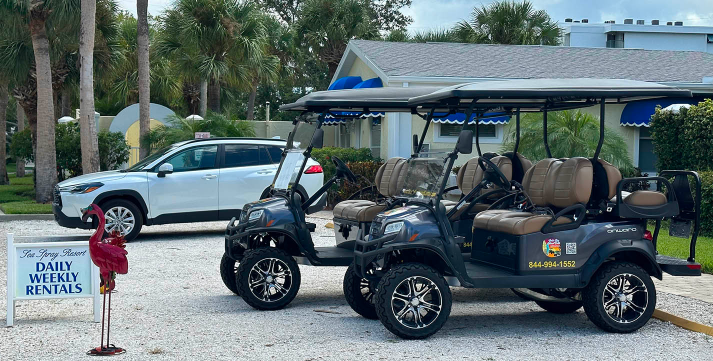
(343, 170)
(493, 173)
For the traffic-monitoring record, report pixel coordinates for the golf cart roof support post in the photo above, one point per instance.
(517, 131)
(602, 108)
(308, 151)
(544, 131)
(468, 114)
(428, 120)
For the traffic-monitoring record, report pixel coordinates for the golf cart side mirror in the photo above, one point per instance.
(318, 138)
(415, 143)
(465, 142)
(165, 168)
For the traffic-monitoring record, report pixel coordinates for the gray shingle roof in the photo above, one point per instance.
(528, 61)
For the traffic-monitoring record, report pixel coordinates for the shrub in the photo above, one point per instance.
(347, 155)
(69, 153)
(683, 140)
(113, 150)
(667, 135)
(707, 202)
(365, 172)
(21, 145)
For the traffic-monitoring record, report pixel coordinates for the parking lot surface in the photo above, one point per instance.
(173, 305)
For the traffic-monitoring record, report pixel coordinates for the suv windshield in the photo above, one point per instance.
(424, 176)
(297, 143)
(152, 157)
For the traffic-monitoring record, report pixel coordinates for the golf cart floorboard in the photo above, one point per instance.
(486, 276)
(677, 266)
(335, 256)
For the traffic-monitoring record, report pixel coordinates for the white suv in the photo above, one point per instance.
(192, 181)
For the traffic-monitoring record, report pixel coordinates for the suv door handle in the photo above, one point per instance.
(209, 176)
(265, 171)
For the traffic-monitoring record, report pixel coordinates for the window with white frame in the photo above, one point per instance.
(488, 133)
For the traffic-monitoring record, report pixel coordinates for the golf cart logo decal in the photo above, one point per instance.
(571, 248)
(552, 247)
(621, 230)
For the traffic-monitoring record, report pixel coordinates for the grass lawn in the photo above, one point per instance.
(18, 197)
(678, 247)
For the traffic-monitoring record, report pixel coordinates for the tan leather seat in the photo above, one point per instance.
(551, 182)
(387, 182)
(470, 175)
(645, 198)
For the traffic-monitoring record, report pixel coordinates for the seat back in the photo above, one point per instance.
(388, 180)
(520, 165)
(470, 174)
(559, 183)
(606, 178)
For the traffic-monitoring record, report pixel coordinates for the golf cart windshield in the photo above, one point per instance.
(299, 140)
(424, 176)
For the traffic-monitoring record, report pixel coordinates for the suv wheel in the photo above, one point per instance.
(268, 278)
(359, 294)
(620, 297)
(123, 216)
(413, 301)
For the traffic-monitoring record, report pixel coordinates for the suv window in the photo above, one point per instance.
(275, 153)
(195, 158)
(245, 155)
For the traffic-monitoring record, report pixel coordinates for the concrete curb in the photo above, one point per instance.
(26, 217)
(683, 323)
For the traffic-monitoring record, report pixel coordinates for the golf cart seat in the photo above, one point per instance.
(562, 184)
(387, 183)
(606, 179)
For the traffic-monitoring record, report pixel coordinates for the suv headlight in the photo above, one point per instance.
(393, 227)
(82, 188)
(255, 215)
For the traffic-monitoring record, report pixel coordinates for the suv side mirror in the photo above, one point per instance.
(165, 168)
(318, 138)
(465, 142)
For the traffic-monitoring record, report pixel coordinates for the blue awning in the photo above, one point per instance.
(346, 82)
(638, 114)
(458, 118)
(370, 83)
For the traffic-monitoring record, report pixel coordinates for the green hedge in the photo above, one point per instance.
(707, 203)
(347, 155)
(683, 140)
(365, 172)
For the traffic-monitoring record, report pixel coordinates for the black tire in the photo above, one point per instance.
(394, 280)
(228, 271)
(260, 258)
(605, 288)
(520, 294)
(560, 307)
(358, 294)
(114, 205)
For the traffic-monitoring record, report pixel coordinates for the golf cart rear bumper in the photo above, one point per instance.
(367, 251)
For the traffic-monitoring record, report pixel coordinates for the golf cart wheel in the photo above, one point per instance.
(268, 278)
(228, 271)
(560, 307)
(620, 297)
(520, 294)
(413, 301)
(359, 294)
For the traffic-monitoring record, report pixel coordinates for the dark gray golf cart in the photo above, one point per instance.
(578, 239)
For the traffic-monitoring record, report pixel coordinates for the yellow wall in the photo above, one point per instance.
(359, 68)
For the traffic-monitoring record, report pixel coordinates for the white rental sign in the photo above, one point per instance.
(50, 267)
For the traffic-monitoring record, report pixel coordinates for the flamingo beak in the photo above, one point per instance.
(85, 213)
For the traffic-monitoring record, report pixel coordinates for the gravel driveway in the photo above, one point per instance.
(173, 305)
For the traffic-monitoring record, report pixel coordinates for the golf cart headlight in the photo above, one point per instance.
(82, 188)
(393, 227)
(255, 215)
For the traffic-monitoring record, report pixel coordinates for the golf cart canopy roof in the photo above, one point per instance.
(371, 99)
(534, 95)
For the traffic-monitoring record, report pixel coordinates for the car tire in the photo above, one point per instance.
(560, 307)
(620, 297)
(399, 287)
(521, 295)
(125, 210)
(359, 294)
(228, 271)
(258, 274)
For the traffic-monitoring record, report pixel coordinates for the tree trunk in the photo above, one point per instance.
(214, 95)
(251, 103)
(332, 69)
(4, 99)
(56, 99)
(204, 98)
(144, 75)
(67, 100)
(20, 115)
(45, 155)
(87, 124)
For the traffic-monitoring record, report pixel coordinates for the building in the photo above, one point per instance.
(443, 64)
(638, 35)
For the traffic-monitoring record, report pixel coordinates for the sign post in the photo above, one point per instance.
(42, 268)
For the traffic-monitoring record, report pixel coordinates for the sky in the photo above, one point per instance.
(428, 14)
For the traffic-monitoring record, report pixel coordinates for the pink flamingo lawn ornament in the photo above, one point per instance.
(110, 256)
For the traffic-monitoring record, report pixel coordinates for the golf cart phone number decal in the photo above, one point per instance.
(552, 264)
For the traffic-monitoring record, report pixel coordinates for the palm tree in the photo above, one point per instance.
(20, 117)
(88, 135)
(180, 129)
(509, 22)
(570, 134)
(144, 74)
(4, 100)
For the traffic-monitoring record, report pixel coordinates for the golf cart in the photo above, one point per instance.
(578, 238)
(263, 248)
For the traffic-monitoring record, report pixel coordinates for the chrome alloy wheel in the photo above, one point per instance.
(119, 219)
(416, 302)
(270, 279)
(625, 298)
